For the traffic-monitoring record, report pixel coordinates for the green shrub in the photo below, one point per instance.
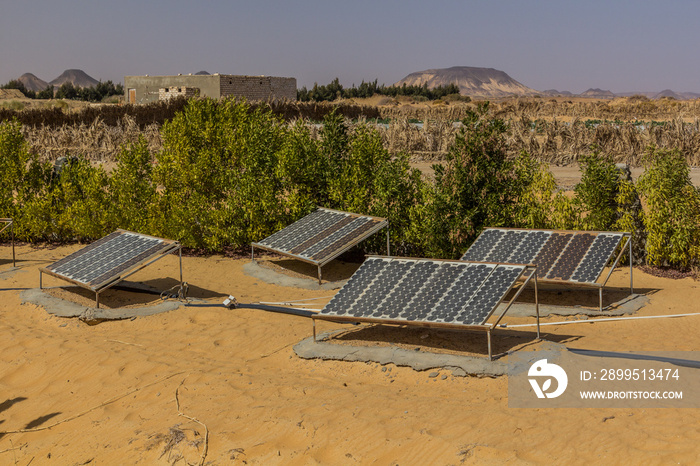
(477, 187)
(673, 210)
(80, 201)
(217, 172)
(23, 183)
(132, 190)
(534, 206)
(597, 193)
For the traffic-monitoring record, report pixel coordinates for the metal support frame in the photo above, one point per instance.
(488, 328)
(174, 246)
(612, 269)
(9, 223)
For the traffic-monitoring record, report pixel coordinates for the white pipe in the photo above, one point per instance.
(297, 301)
(609, 319)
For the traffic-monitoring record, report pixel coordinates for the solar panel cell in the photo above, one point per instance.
(464, 287)
(551, 251)
(506, 246)
(529, 248)
(333, 235)
(596, 258)
(483, 245)
(300, 231)
(489, 294)
(348, 237)
(354, 288)
(571, 256)
(333, 224)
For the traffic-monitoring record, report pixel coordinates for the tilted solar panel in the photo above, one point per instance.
(574, 256)
(427, 290)
(110, 259)
(322, 235)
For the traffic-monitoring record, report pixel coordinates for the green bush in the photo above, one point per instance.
(132, 190)
(597, 193)
(673, 210)
(216, 171)
(477, 187)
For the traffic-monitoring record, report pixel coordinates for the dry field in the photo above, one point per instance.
(557, 131)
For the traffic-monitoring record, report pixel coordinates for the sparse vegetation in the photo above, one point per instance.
(334, 91)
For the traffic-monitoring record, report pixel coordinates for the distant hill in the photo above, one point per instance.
(77, 77)
(33, 83)
(597, 94)
(554, 92)
(667, 93)
(201, 73)
(483, 82)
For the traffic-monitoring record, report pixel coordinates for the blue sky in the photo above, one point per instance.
(566, 45)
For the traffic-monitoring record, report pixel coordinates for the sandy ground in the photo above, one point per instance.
(566, 176)
(129, 391)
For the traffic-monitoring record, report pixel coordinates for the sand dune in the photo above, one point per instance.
(114, 385)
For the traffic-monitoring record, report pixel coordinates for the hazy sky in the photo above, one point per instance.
(559, 44)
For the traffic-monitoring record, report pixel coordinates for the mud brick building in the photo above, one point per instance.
(145, 89)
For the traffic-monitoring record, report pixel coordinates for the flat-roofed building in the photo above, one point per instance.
(146, 89)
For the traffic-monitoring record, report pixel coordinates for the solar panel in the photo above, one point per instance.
(110, 259)
(424, 290)
(322, 235)
(427, 292)
(573, 256)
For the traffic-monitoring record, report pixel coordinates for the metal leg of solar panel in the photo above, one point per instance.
(617, 261)
(629, 242)
(40, 276)
(537, 306)
(388, 249)
(319, 274)
(12, 235)
(180, 254)
(533, 275)
(488, 339)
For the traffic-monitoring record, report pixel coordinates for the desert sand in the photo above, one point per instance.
(160, 389)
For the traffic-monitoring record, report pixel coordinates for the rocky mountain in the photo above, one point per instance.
(482, 82)
(77, 77)
(33, 83)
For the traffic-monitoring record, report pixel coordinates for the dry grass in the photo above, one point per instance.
(97, 142)
(553, 130)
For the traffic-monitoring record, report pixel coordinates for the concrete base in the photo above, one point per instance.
(63, 308)
(460, 366)
(253, 269)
